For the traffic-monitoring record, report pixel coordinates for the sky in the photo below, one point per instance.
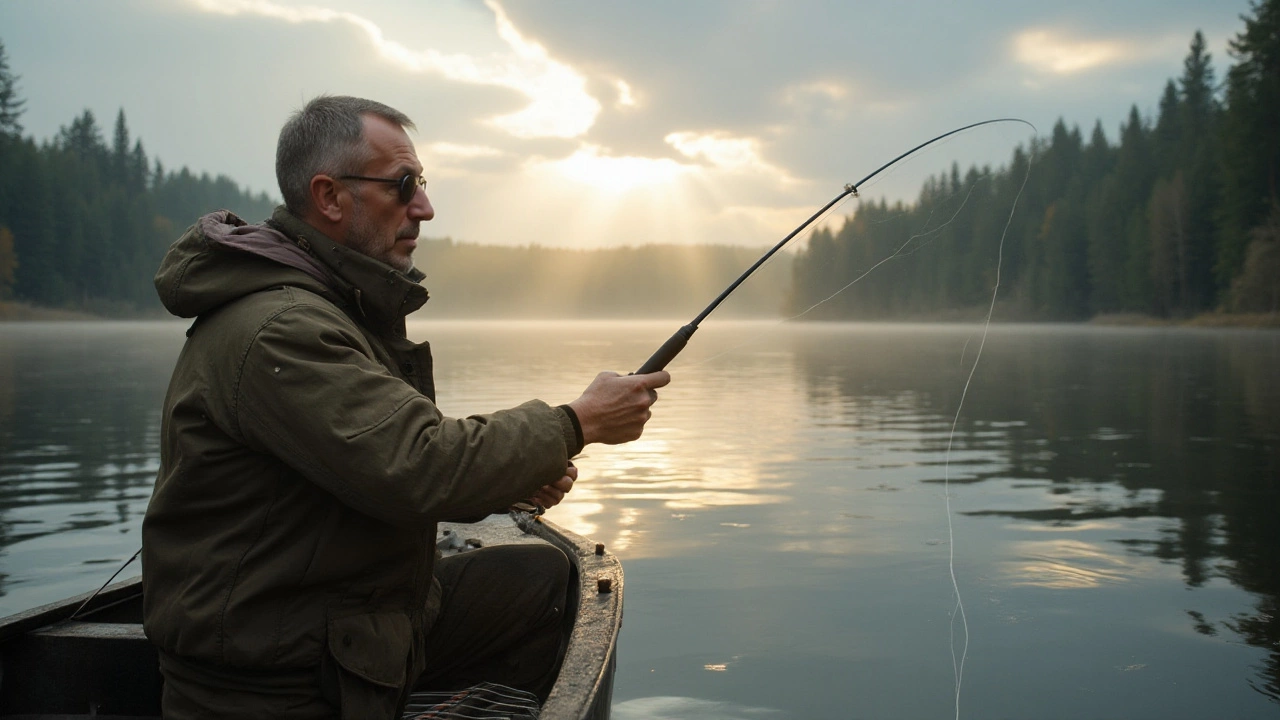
(589, 123)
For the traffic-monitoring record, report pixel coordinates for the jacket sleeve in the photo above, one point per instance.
(311, 392)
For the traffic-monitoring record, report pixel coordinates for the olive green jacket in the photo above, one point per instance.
(304, 463)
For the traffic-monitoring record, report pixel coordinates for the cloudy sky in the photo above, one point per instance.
(586, 122)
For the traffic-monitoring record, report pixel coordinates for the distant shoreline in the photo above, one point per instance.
(1203, 320)
(25, 312)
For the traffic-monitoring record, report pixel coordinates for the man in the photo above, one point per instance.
(289, 546)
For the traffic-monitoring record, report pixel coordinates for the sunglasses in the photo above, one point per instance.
(406, 185)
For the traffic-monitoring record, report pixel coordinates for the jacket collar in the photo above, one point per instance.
(379, 292)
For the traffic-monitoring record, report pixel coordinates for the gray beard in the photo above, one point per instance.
(363, 238)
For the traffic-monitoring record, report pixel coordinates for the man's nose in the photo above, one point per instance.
(420, 209)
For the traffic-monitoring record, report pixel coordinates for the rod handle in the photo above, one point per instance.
(668, 351)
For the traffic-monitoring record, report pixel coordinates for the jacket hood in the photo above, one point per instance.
(222, 258)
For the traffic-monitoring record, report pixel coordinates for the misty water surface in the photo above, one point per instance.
(783, 523)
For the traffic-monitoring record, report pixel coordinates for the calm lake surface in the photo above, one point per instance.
(783, 524)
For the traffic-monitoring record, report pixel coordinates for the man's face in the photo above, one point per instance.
(380, 225)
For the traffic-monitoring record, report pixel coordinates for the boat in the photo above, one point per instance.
(63, 661)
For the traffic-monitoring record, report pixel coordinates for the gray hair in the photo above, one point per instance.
(325, 137)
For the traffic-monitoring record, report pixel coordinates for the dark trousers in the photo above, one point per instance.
(502, 619)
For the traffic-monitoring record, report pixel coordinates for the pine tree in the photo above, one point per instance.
(1064, 274)
(1133, 177)
(137, 169)
(83, 139)
(1181, 210)
(10, 103)
(1167, 132)
(1104, 226)
(1198, 130)
(1169, 243)
(120, 151)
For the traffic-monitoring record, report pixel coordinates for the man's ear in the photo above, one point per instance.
(324, 197)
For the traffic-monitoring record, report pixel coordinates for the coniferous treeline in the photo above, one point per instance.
(1180, 217)
(84, 221)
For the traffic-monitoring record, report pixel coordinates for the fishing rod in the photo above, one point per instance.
(677, 341)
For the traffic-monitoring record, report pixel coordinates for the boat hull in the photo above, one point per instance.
(100, 664)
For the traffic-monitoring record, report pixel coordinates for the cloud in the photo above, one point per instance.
(719, 149)
(558, 104)
(446, 159)
(817, 104)
(808, 92)
(464, 152)
(730, 155)
(626, 98)
(1052, 51)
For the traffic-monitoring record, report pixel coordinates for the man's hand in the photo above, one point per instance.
(551, 495)
(614, 408)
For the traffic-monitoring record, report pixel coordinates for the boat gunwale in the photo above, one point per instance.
(599, 616)
(43, 616)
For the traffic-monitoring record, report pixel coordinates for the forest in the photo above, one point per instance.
(1179, 217)
(83, 224)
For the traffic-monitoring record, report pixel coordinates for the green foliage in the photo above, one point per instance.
(1257, 288)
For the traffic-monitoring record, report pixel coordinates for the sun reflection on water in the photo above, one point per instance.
(1067, 564)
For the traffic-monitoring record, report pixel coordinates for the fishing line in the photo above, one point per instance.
(105, 584)
(958, 669)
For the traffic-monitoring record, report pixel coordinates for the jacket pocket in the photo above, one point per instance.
(371, 652)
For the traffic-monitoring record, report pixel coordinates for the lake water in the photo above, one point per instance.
(783, 524)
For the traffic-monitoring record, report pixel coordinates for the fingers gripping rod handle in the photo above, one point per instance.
(668, 351)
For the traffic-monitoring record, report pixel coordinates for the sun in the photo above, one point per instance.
(616, 175)
(592, 196)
